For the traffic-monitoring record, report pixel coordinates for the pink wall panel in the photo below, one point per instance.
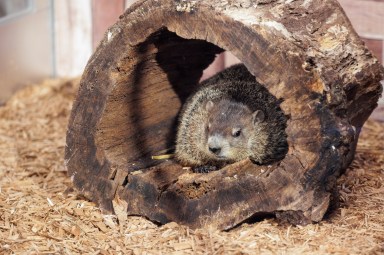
(105, 13)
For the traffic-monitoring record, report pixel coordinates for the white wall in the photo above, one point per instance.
(72, 36)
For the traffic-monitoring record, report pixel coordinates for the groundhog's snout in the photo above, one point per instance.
(215, 145)
(215, 150)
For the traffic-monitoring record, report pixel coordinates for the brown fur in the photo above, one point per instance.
(230, 118)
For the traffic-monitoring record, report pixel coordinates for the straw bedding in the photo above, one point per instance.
(39, 214)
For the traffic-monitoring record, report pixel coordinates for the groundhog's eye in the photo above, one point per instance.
(236, 132)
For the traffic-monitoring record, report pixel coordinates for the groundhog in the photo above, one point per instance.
(229, 118)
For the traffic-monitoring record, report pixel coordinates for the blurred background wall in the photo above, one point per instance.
(45, 38)
(26, 43)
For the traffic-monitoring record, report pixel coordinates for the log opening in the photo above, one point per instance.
(151, 84)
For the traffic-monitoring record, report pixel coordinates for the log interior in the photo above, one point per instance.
(151, 84)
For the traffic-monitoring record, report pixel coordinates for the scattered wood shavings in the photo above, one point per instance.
(37, 216)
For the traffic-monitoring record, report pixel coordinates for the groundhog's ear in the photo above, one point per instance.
(258, 116)
(209, 105)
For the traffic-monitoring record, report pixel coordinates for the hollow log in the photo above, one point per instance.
(304, 52)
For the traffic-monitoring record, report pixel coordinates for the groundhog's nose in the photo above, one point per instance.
(215, 150)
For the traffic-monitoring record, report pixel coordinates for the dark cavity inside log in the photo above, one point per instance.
(141, 112)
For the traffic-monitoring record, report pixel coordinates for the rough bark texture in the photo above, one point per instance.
(305, 52)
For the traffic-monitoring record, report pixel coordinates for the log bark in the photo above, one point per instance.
(305, 52)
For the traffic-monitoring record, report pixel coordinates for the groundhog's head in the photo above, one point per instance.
(230, 129)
